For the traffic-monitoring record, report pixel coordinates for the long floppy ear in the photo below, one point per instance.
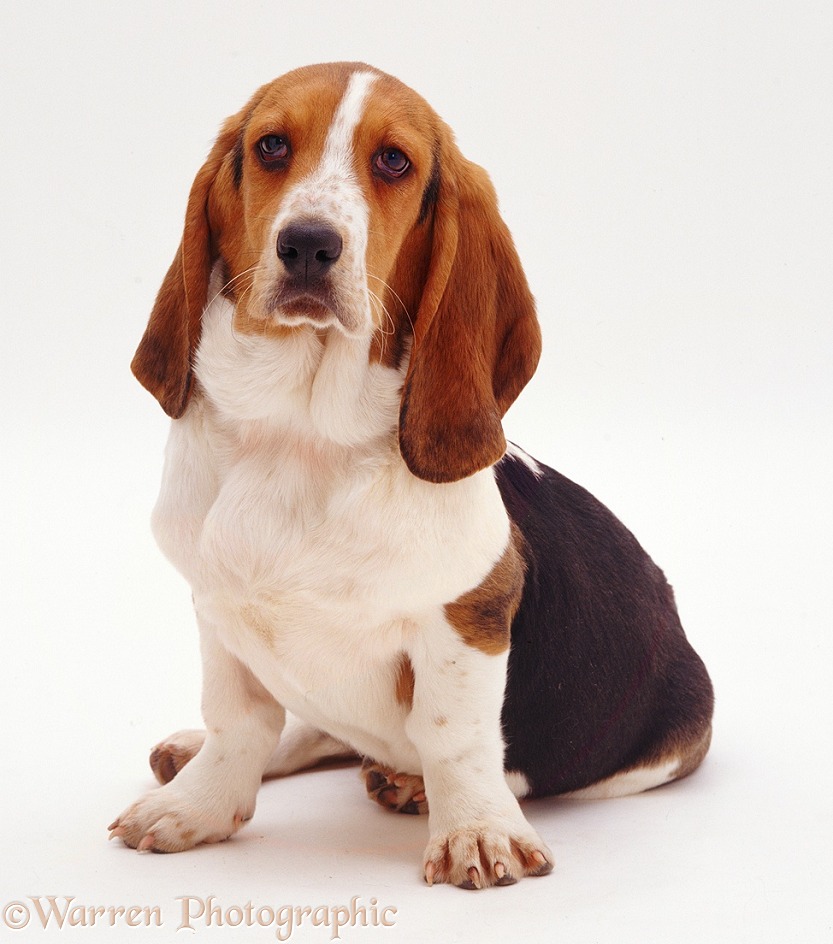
(476, 336)
(163, 360)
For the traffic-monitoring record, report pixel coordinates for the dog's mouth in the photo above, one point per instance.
(291, 303)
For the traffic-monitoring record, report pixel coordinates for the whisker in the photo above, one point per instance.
(382, 332)
(383, 337)
(390, 289)
(249, 288)
(370, 275)
(231, 281)
(374, 297)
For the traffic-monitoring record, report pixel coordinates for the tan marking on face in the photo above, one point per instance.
(301, 106)
(398, 244)
(404, 685)
(399, 298)
(483, 616)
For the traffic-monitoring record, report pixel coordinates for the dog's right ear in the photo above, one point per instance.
(163, 360)
(476, 335)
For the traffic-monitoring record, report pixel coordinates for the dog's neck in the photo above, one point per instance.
(303, 382)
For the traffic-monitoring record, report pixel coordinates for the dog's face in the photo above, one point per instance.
(337, 199)
(331, 170)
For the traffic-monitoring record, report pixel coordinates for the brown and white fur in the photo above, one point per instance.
(343, 327)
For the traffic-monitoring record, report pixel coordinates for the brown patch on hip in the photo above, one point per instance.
(483, 616)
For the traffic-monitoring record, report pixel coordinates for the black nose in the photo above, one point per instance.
(308, 249)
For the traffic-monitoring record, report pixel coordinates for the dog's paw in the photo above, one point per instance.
(172, 754)
(399, 793)
(167, 820)
(485, 854)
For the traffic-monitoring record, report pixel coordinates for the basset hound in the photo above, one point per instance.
(375, 573)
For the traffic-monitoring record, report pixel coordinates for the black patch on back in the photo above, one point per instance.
(600, 671)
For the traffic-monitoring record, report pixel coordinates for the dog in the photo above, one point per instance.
(375, 572)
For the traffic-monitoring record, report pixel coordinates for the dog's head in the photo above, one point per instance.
(338, 199)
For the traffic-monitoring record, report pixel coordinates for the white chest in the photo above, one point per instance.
(310, 547)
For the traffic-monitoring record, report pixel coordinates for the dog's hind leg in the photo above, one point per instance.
(301, 746)
(400, 793)
(172, 754)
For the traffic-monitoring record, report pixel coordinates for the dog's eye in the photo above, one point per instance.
(272, 148)
(392, 162)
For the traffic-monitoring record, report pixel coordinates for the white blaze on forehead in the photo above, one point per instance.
(333, 176)
(338, 149)
(332, 194)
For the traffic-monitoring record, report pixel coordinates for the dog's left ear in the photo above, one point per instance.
(476, 337)
(163, 360)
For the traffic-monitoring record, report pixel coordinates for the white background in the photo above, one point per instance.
(666, 169)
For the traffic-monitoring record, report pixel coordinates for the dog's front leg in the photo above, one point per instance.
(478, 834)
(215, 793)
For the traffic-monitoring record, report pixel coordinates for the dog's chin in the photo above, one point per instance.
(305, 310)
